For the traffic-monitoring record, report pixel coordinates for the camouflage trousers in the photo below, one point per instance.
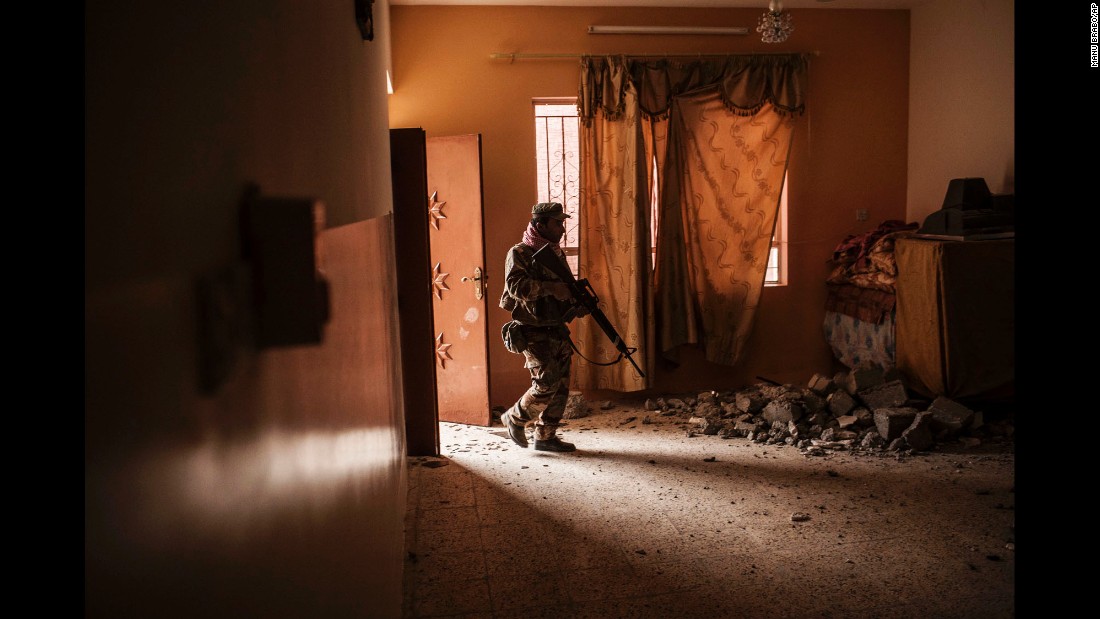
(548, 357)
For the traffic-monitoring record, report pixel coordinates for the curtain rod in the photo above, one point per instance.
(514, 57)
(666, 30)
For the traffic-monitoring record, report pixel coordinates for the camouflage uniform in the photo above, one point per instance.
(548, 354)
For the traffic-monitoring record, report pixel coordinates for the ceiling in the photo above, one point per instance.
(787, 4)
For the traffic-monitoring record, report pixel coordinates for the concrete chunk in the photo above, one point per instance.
(712, 426)
(885, 395)
(864, 417)
(822, 384)
(750, 402)
(861, 379)
(846, 421)
(872, 440)
(897, 444)
(813, 402)
(744, 428)
(575, 406)
(919, 433)
(782, 410)
(845, 435)
(892, 422)
(707, 396)
(707, 409)
(840, 403)
(950, 416)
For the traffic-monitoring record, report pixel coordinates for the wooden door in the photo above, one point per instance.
(460, 298)
(409, 165)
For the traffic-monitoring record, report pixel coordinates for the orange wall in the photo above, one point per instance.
(283, 494)
(849, 149)
(963, 91)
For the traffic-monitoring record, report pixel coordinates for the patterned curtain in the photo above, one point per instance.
(719, 130)
(614, 247)
(725, 175)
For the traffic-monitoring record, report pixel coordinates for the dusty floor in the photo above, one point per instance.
(645, 521)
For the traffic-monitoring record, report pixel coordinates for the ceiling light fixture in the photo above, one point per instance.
(775, 25)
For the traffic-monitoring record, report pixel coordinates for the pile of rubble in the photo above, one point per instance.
(865, 409)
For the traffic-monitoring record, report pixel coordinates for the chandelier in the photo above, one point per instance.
(775, 25)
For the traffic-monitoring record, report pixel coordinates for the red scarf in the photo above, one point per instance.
(536, 241)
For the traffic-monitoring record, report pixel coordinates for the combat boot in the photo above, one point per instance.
(547, 439)
(554, 444)
(515, 429)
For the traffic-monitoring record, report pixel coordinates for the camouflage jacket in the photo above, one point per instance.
(524, 294)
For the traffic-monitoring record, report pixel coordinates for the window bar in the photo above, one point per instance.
(557, 182)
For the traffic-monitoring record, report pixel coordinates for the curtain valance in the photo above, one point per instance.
(746, 82)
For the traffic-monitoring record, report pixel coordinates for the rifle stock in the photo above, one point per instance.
(584, 295)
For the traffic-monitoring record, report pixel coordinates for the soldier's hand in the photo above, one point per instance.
(582, 310)
(558, 290)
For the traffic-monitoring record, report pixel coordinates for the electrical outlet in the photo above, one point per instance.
(861, 214)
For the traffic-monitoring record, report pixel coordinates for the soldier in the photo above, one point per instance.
(539, 302)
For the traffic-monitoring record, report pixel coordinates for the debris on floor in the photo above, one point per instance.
(576, 406)
(865, 409)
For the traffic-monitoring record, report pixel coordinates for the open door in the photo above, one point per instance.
(409, 166)
(460, 299)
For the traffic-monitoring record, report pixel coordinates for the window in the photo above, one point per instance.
(776, 272)
(557, 150)
(557, 147)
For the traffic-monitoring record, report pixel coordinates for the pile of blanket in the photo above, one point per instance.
(867, 260)
(860, 299)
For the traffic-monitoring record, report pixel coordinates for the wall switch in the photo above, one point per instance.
(861, 214)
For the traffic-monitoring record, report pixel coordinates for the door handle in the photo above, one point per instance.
(479, 282)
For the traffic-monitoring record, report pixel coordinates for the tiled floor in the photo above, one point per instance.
(645, 521)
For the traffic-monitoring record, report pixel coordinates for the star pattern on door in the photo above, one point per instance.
(436, 210)
(439, 281)
(441, 351)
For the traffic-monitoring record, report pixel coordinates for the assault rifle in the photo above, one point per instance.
(584, 295)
